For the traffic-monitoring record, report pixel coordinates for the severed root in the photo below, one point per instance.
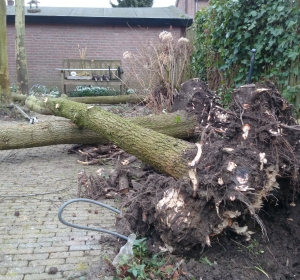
(91, 162)
(196, 160)
(123, 184)
(194, 180)
(192, 172)
(128, 160)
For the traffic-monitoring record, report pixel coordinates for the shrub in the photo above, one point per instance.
(228, 30)
(165, 66)
(93, 91)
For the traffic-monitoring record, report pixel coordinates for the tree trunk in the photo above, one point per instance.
(21, 61)
(5, 93)
(130, 98)
(165, 153)
(118, 99)
(178, 125)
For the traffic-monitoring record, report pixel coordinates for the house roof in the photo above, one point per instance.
(105, 16)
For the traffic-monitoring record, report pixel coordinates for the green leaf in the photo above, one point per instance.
(253, 24)
(293, 55)
(280, 8)
(247, 35)
(134, 272)
(291, 23)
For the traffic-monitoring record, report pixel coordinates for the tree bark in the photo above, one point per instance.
(5, 93)
(21, 61)
(178, 125)
(165, 153)
(130, 98)
(118, 99)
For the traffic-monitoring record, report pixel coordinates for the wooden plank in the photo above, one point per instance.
(95, 67)
(79, 78)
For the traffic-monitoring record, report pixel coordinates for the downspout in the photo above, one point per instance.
(196, 7)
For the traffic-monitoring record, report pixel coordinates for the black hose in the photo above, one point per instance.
(251, 65)
(61, 209)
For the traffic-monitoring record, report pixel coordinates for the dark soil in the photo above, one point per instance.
(269, 249)
(276, 256)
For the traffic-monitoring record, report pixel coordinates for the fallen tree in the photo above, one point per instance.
(178, 125)
(242, 152)
(118, 99)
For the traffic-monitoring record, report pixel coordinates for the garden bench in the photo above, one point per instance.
(80, 72)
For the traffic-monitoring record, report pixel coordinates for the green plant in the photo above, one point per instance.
(253, 248)
(14, 88)
(139, 248)
(53, 92)
(259, 268)
(143, 267)
(228, 30)
(93, 91)
(205, 260)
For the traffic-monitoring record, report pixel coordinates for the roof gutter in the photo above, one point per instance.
(104, 21)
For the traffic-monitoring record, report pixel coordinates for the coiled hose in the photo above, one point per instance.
(61, 209)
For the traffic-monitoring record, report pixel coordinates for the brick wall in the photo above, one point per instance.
(189, 6)
(47, 45)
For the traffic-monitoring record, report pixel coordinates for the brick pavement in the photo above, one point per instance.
(36, 182)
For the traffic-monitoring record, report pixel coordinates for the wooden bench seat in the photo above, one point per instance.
(80, 72)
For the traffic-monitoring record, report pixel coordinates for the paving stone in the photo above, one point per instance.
(3, 270)
(50, 249)
(14, 263)
(30, 257)
(70, 266)
(84, 247)
(47, 262)
(26, 270)
(42, 276)
(5, 257)
(75, 260)
(64, 255)
(11, 277)
(19, 251)
(36, 240)
(34, 245)
(32, 236)
(55, 240)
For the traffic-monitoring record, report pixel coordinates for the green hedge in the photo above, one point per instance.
(228, 30)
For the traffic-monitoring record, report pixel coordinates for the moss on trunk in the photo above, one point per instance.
(65, 132)
(5, 93)
(167, 154)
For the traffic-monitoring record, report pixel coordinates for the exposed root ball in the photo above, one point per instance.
(182, 221)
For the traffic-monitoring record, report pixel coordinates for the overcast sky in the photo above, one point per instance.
(93, 3)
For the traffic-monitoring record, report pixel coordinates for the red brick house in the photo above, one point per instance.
(190, 7)
(55, 33)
